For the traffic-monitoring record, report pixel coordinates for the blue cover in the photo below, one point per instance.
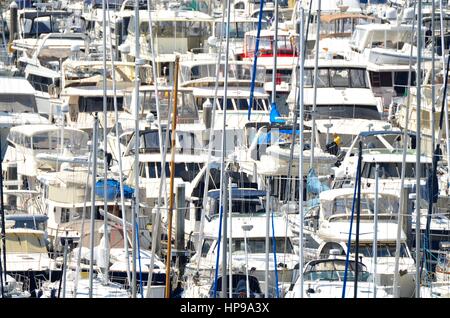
(112, 189)
(313, 184)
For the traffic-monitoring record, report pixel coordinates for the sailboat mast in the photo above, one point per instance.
(172, 175)
(93, 210)
(275, 52)
(418, 112)
(223, 187)
(403, 172)
(301, 145)
(316, 80)
(137, 83)
(105, 151)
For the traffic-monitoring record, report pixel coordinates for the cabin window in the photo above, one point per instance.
(323, 80)
(331, 246)
(258, 245)
(358, 78)
(206, 247)
(393, 170)
(345, 111)
(18, 103)
(40, 83)
(95, 104)
(381, 79)
(65, 215)
(25, 243)
(339, 77)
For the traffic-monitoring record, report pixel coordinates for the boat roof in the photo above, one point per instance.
(323, 63)
(387, 155)
(15, 86)
(232, 92)
(90, 91)
(212, 61)
(30, 130)
(269, 33)
(383, 132)
(239, 193)
(258, 230)
(383, 27)
(9, 119)
(175, 15)
(328, 18)
(348, 126)
(237, 18)
(330, 195)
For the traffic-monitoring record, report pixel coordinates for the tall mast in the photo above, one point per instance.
(163, 150)
(172, 176)
(118, 145)
(223, 187)
(301, 143)
(222, 159)
(105, 147)
(210, 144)
(137, 80)
(418, 112)
(275, 52)
(403, 172)
(316, 72)
(93, 210)
(447, 132)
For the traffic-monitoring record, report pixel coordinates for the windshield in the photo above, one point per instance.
(383, 250)
(242, 206)
(35, 26)
(187, 171)
(16, 103)
(344, 111)
(237, 29)
(51, 140)
(25, 243)
(258, 245)
(386, 204)
(393, 170)
(336, 77)
(334, 270)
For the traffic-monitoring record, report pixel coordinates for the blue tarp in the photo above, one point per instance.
(112, 189)
(313, 184)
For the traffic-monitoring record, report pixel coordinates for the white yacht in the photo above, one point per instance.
(324, 278)
(327, 227)
(248, 220)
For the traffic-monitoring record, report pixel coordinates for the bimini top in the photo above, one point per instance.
(383, 132)
(30, 130)
(240, 193)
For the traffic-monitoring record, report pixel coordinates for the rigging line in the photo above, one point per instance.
(163, 151)
(83, 219)
(118, 145)
(298, 95)
(255, 59)
(274, 246)
(210, 144)
(349, 241)
(105, 146)
(403, 171)
(224, 135)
